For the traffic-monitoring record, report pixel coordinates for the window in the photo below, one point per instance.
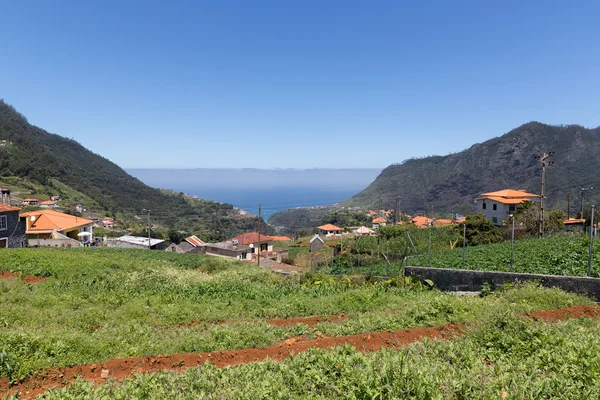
(494, 207)
(484, 205)
(3, 223)
(495, 220)
(3, 243)
(511, 208)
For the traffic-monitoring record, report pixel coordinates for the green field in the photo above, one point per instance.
(505, 357)
(98, 304)
(561, 254)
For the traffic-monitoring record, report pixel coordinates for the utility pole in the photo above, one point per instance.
(396, 210)
(542, 160)
(464, 242)
(584, 189)
(591, 243)
(512, 244)
(258, 256)
(568, 205)
(149, 245)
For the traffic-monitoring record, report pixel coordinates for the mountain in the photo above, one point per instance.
(31, 154)
(451, 183)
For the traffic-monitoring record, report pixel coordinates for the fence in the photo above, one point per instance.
(557, 254)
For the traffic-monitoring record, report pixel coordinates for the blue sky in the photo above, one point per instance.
(296, 84)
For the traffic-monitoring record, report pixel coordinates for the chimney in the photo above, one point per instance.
(5, 196)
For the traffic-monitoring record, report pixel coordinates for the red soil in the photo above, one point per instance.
(26, 278)
(121, 368)
(566, 313)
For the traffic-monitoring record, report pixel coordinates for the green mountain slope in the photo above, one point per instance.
(451, 183)
(42, 157)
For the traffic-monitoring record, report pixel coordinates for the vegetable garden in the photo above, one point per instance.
(97, 305)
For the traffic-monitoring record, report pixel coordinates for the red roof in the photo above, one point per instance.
(379, 220)
(509, 196)
(48, 220)
(194, 241)
(329, 227)
(7, 208)
(280, 238)
(421, 222)
(571, 221)
(251, 237)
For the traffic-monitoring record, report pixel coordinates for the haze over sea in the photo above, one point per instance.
(274, 189)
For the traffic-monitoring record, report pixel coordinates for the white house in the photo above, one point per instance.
(498, 205)
(328, 230)
(377, 222)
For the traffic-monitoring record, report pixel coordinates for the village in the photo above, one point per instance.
(45, 226)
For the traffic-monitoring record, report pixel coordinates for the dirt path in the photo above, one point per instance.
(121, 368)
(565, 313)
(26, 278)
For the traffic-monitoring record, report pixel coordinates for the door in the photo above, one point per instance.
(3, 243)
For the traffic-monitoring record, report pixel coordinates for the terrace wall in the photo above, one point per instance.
(472, 281)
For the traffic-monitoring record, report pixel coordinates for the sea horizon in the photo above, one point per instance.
(274, 189)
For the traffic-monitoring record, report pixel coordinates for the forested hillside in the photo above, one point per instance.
(36, 155)
(451, 183)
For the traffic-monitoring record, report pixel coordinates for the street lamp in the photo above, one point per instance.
(583, 190)
(149, 245)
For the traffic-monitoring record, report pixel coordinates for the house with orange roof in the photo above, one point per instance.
(496, 206)
(281, 238)
(422, 222)
(329, 230)
(377, 222)
(30, 202)
(254, 240)
(48, 204)
(574, 224)
(12, 228)
(41, 224)
(443, 222)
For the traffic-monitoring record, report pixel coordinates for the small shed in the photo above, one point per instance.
(316, 243)
(377, 222)
(574, 224)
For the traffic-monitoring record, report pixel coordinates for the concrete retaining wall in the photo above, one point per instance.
(472, 281)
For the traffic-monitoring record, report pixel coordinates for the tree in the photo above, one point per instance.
(479, 230)
(175, 236)
(527, 220)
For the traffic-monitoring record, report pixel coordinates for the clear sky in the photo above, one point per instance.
(296, 84)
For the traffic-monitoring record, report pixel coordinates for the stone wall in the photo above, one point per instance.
(472, 281)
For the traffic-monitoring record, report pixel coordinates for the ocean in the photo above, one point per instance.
(274, 189)
(271, 200)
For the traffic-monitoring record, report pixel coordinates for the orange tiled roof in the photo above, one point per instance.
(508, 196)
(421, 222)
(47, 203)
(281, 238)
(49, 220)
(251, 237)
(443, 221)
(7, 208)
(379, 220)
(571, 221)
(329, 227)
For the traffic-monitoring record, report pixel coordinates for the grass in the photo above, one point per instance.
(502, 357)
(103, 303)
